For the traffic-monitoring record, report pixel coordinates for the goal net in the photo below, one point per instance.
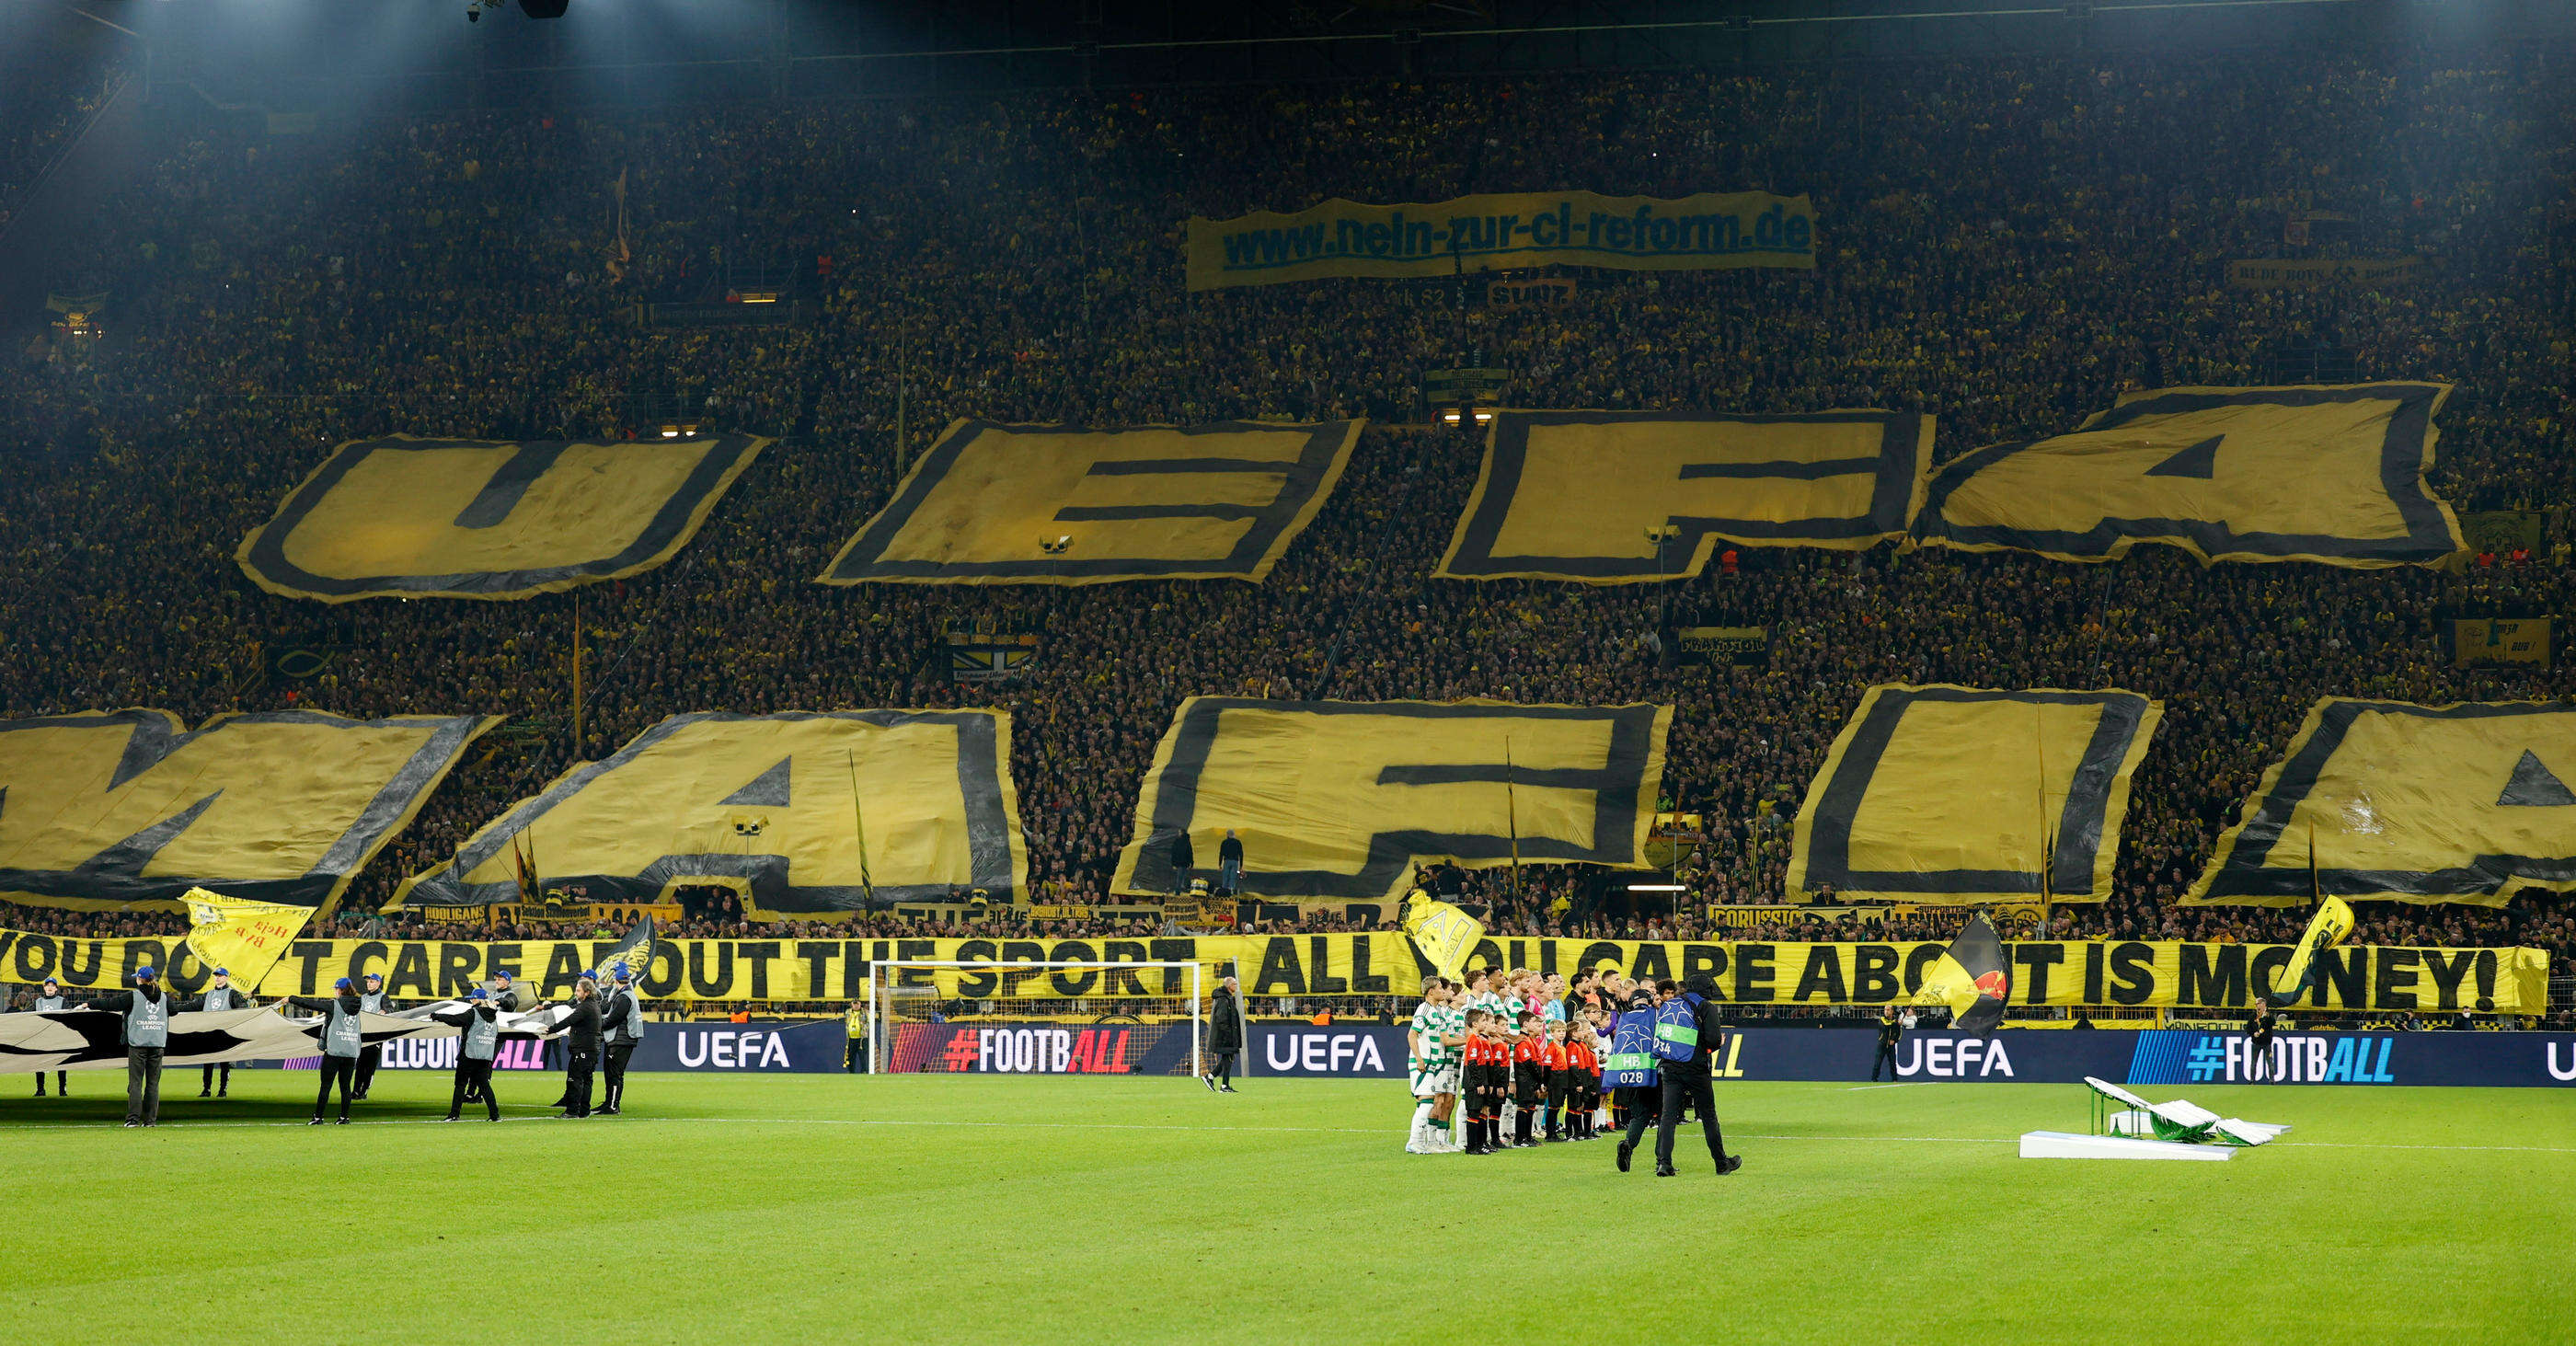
(1038, 1018)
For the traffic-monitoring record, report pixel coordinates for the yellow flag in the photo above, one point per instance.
(2329, 927)
(1445, 934)
(242, 937)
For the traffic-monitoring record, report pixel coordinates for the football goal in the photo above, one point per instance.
(1039, 1018)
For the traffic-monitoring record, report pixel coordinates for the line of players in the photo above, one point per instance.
(1522, 1052)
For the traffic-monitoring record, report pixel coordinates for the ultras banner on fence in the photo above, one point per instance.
(105, 810)
(2048, 972)
(2460, 803)
(764, 805)
(2130, 1056)
(406, 517)
(1339, 799)
(1057, 504)
(2327, 474)
(1957, 795)
(1572, 494)
(1493, 233)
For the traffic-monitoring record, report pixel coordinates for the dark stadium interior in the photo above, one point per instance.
(309, 232)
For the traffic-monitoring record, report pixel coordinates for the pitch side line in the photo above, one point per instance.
(1176, 1126)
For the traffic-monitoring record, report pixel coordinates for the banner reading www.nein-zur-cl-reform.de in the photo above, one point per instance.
(1492, 233)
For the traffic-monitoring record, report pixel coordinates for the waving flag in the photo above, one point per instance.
(634, 951)
(1444, 933)
(1971, 977)
(2328, 928)
(243, 937)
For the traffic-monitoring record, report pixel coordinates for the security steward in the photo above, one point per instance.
(1688, 1082)
(219, 996)
(479, 1039)
(51, 998)
(581, 1049)
(147, 1036)
(1889, 1033)
(372, 1000)
(622, 1020)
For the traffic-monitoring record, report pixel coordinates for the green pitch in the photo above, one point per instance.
(820, 1208)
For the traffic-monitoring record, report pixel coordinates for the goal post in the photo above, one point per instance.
(1037, 1018)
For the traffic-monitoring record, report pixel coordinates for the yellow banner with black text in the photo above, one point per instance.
(2062, 973)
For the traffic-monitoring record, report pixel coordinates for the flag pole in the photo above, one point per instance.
(2047, 834)
(1512, 815)
(859, 828)
(576, 675)
(2315, 893)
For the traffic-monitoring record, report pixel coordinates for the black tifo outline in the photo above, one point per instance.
(1302, 477)
(489, 508)
(979, 784)
(2401, 474)
(2242, 872)
(1616, 786)
(2079, 823)
(1896, 466)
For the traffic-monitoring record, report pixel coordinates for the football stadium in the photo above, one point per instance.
(922, 670)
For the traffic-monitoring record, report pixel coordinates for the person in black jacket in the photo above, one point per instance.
(1889, 1032)
(478, 1027)
(505, 1000)
(146, 1010)
(1229, 865)
(50, 997)
(1224, 1035)
(343, 1039)
(372, 1000)
(218, 998)
(621, 1019)
(1688, 1082)
(581, 1049)
(1184, 859)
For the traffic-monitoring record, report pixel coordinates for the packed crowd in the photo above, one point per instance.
(2008, 244)
(44, 103)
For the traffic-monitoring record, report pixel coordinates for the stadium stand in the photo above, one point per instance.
(2009, 244)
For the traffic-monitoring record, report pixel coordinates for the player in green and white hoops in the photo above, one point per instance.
(1438, 1030)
